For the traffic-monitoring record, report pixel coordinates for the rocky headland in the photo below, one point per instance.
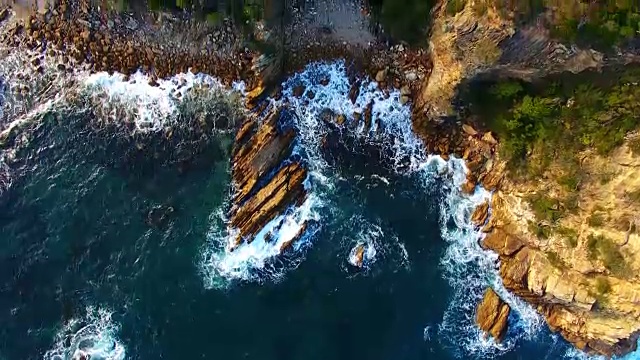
(563, 222)
(578, 268)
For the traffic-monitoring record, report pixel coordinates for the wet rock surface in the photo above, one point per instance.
(492, 315)
(264, 183)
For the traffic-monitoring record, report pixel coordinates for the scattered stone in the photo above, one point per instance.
(492, 315)
(381, 75)
(61, 67)
(341, 119)
(356, 257)
(404, 99)
(311, 95)
(469, 130)
(488, 138)
(469, 187)
(411, 76)
(298, 90)
(354, 92)
(405, 90)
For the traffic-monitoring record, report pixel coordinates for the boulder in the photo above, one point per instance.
(501, 242)
(488, 138)
(492, 315)
(469, 130)
(298, 90)
(480, 214)
(381, 75)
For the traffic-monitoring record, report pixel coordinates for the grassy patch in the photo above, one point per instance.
(603, 248)
(596, 219)
(455, 6)
(602, 285)
(569, 235)
(555, 260)
(540, 231)
(545, 208)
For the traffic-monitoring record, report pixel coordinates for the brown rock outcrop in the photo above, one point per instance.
(597, 313)
(264, 183)
(492, 315)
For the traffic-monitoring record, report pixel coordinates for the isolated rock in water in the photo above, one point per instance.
(264, 184)
(362, 254)
(298, 90)
(492, 315)
(381, 75)
(356, 257)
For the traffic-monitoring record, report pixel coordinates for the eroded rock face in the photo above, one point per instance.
(492, 315)
(265, 184)
(597, 311)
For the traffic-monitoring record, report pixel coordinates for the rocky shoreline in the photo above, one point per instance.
(267, 180)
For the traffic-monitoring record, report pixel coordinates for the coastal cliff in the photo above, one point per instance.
(563, 216)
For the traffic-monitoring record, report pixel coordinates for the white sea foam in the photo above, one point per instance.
(151, 108)
(262, 258)
(94, 336)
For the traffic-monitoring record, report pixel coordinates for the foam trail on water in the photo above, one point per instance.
(94, 337)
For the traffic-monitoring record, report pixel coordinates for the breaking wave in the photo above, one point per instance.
(92, 337)
(468, 268)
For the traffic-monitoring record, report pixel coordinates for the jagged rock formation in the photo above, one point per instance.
(265, 180)
(583, 275)
(492, 315)
(469, 45)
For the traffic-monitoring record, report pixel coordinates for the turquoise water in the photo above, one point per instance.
(112, 238)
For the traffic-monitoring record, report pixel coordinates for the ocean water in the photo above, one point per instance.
(113, 235)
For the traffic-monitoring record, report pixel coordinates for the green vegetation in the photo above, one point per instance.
(569, 235)
(406, 20)
(550, 122)
(555, 260)
(605, 249)
(541, 231)
(455, 6)
(545, 208)
(602, 285)
(596, 219)
(602, 24)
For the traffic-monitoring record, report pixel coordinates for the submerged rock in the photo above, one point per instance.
(492, 315)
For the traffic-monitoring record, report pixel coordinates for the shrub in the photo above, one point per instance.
(569, 235)
(596, 220)
(605, 249)
(555, 260)
(602, 285)
(506, 90)
(544, 207)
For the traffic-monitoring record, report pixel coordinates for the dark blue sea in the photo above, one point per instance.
(113, 231)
